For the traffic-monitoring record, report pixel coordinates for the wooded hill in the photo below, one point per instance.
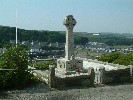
(110, 39)
(8, 33)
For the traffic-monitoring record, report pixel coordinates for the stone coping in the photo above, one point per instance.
(72, 75)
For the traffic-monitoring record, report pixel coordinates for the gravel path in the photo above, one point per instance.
(41, 92)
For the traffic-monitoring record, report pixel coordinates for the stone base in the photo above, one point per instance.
(78, 79)
(65, 66)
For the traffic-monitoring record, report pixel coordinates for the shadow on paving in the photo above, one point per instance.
(69, 88)
(63, 96)
(118, 83)
(39, 87)
(4, 95)
(61, 93)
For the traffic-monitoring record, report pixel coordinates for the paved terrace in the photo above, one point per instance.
(96, 64)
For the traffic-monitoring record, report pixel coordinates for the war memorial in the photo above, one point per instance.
(71, 71)
(84, 72)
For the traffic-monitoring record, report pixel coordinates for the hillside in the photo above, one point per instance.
(8, 33)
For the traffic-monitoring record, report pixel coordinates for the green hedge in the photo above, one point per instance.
(44, 64)
(118, 58)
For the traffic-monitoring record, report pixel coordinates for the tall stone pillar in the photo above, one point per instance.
(69, 63)
(69, 22)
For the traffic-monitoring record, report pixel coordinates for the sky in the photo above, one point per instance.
(91, 15)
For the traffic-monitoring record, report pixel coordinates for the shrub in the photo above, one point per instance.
(118, 58)
(110, 58)
(44, 64)
(14, 58)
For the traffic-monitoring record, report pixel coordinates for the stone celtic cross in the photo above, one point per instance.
(69, 63)
(69, 22)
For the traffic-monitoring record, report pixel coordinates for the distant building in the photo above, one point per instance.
(35, 47)
(79, 47)
(43, 44)
(25, 42)
(61, 45)
(53, 44)
(2, 50)
(34, 43)
(95, 34)
(96, 46)
(14, 41)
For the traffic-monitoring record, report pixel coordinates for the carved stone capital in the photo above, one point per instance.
(69, 22)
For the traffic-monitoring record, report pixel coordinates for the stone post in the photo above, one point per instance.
(103, 78)
(131, 73)
(92, 73)
(100, 75)
(51, 76)
(69, 22)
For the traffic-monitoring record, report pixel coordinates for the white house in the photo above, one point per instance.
(25, 43)
(35, 47)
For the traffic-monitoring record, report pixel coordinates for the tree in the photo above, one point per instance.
(81, 40)
(14, 58)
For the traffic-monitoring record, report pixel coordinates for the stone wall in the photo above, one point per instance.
(117, 76)
(75, 80)
(85, 78)
(114, 76)
(112, 73)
